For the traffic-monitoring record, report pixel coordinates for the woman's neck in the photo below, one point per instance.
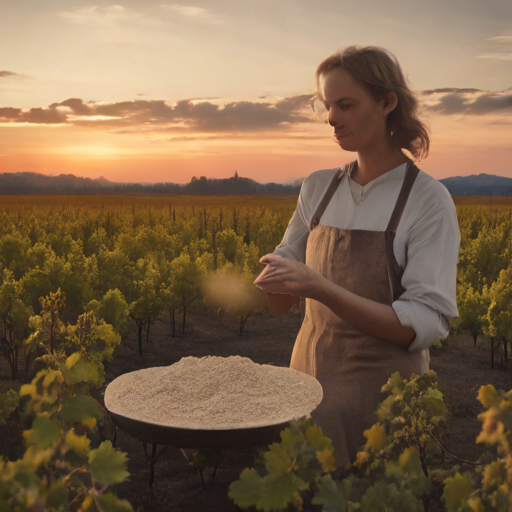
(370, 166)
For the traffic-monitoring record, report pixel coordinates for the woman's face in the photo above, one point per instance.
(358, 120)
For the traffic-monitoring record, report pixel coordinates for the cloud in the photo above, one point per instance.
(8, 74)
(11, 74)
(496, 56)
(451, 100)
(211, 116)
(448, 89)
(76, 105)
(112, 23)
(186, 116)
(189, 10)
(33, 116)
(499, 39)
(43, 116)
(492, 42)
(10, 114)
(93, 14)
(193, 13)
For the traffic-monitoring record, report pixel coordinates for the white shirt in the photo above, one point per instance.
(426, 245)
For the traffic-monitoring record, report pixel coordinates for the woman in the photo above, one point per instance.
(372, 246)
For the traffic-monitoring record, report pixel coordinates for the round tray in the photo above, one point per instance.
(197, 438)
(236, 437)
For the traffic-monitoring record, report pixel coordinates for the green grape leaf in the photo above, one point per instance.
(80, 407)
(334, 495)
(278, 493)
(290, 442)
(8, 403)
(394, 384)
(384, 408)
(410, 462)
(272, 492)
(79, 444)
(246, 491)
(108, 465)
(386, 497)
(57, 494)
(376, 438)
(379, 497)
(456, 490)
(317, 440)
(44, 431)
(433, 402)
(111, 503)
(278, 462)
(79, 369)
(488, 396)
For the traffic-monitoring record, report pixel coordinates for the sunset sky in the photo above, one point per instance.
(150, 91)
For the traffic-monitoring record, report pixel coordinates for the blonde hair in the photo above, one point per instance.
(378, 71)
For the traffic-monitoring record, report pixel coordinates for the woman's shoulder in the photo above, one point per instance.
(318, 181)
(431, 193)
(429, 204)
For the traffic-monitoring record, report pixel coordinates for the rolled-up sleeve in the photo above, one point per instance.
(294, 241)
(430, 276)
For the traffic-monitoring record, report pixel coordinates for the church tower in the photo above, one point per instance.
(236, 175)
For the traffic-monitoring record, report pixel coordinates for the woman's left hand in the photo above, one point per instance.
(282, 275)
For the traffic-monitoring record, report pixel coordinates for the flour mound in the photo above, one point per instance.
(214, 393)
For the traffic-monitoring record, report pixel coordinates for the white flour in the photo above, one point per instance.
(214, 393)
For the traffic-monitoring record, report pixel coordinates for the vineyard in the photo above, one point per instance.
(91, 287)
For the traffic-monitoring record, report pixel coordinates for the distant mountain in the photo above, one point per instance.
(473, 185)
(26, 183)
(478, 185)
(34, 183)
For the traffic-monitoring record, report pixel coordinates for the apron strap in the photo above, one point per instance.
(394, 271)
(410, 176)
(336, 180)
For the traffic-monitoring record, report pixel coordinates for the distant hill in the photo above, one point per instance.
(478, 185)
(27, 183)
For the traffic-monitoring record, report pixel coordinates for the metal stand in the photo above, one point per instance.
(200, 468)
(219, 458)
(114, 439)
(152, 459)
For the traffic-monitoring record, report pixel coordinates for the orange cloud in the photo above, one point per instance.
(207, 116)
(184, 116)
(470, 101)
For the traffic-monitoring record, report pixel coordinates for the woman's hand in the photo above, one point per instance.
(282, 275)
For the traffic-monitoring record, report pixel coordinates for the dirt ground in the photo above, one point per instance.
(461, 370)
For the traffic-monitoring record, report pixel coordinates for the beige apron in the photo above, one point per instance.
(351, 365)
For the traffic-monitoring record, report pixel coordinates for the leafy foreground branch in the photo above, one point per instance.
(61, 470)
(401, 468)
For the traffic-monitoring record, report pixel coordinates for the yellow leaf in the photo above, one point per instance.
(326, 458)
(488, 396)
(90, 423)
(376, 437)
(79, 444)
